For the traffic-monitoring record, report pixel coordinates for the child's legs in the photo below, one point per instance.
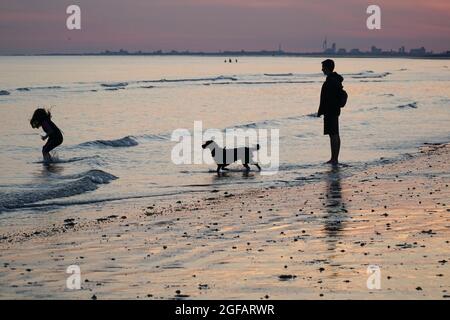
(49, 146)
(47, 157)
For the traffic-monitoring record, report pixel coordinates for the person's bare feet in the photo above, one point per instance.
(332, 162)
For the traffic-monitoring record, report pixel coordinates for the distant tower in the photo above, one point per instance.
(324, 44)
(279, 48)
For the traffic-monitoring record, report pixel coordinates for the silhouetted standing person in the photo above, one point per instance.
(331, 101)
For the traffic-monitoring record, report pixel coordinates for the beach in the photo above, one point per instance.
(310, 241)
(117, 212)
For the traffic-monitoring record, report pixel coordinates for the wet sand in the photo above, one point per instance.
(314, 241)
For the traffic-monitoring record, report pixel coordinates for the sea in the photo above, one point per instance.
(119, 114)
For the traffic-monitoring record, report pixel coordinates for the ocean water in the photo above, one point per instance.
(118, 113)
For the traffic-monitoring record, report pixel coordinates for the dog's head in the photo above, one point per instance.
(207, 143)
(211, 145)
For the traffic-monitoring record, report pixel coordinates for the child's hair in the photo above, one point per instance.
(40, 115)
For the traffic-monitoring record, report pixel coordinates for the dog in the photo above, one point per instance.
(224, 157)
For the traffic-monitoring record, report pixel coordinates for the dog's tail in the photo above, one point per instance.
(258, 146)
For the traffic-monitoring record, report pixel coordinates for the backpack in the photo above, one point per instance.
(343, 96)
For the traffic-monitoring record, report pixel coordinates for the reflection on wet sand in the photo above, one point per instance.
(52, 168)
(335, 206)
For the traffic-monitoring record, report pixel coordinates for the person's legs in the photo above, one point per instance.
(331, 128)
(46, 151)
(331, 150)
(335, 143)
(47, 157)
(49, 146)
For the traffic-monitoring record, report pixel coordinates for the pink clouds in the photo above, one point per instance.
(28, 26)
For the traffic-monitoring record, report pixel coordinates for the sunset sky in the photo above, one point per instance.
(30, 26)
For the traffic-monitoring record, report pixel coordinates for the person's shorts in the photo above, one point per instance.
(331, 125)
(51, 144)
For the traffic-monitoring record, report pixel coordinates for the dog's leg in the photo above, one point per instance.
(257, 165)
(224, 167)
(218, 168)
(246, 166)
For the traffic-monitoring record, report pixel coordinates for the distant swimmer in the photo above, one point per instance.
(230, 61)
(54, 137)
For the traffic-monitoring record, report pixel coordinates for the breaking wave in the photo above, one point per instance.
(127, 141)
(39, 88)
(115, 85)
(60, 187)
(368, 75)
(219, 78)
(412, 105)
(278, 74)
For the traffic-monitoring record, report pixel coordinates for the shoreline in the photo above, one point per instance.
(312, 241)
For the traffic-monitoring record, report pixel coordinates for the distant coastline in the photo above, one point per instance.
(263, 53)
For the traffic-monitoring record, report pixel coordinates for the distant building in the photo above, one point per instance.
(355, 51)
(402, 50)
(375, 50)
(342, 51)
(418, 52)
(331, 50)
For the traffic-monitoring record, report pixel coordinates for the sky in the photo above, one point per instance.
(39, 26)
